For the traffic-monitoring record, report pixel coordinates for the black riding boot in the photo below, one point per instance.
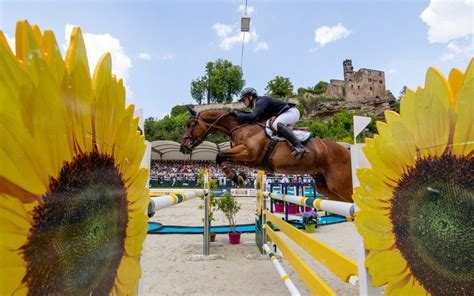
(298, 150)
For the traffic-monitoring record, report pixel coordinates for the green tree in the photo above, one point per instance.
(180, 109)
(279, 87)
(221, 82)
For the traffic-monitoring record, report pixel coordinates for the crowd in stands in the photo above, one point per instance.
(191, 169)
(186, 173)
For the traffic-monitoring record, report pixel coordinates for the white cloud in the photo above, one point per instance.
(324, 35)
(222, 30)
(144, 56)
(261, 46)
(448, 20)
(456, 49)
(230, 35)
(167, 56)
(97, 45)
(241, 9)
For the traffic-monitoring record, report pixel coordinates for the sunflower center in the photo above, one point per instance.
(432, 213)
(77, 240)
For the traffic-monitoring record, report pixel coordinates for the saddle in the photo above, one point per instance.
(302, 135)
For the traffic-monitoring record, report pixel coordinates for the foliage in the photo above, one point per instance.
(279, 87)
(212, 199)
(229, 205)
(318, 89)
(339, 127)
(169, 128)
(221, 81)
(180, 109)
(310, 217)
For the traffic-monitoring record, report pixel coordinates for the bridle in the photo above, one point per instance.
(189, 132)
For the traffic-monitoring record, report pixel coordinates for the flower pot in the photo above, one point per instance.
(279, 208)
(234, 238)
(292, 209)
(310, 228)
(307, 209)
(213, 236)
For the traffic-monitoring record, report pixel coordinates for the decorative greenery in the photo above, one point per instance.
(310, 217)
(212, 199)
(221, 81)
(279, 87)
(229, 205)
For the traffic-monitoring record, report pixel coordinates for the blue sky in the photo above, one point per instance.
(159, 47)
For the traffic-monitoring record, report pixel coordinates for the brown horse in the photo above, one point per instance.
(327, 162)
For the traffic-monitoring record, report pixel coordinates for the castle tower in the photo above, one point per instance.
(348, 70)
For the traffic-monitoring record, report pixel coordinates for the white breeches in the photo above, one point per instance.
(289, 117)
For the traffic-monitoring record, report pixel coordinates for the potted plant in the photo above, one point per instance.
(310, 220)
(279, 206)
(229, 205)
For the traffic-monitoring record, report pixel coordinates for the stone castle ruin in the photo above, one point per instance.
(362, 91)
(357, 86)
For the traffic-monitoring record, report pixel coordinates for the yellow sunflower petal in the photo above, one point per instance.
(19, 158)
(432, 114)
(463, 139)
(408, 286)
(78, 92)
(136, 231)
(4, 44)
(46, 121)
(12, 271)
(389, 175)
(137, 186)
(456, 79)
(375, 237)
(129, 271)
(374, 185)
(384, 265)
(400, 139)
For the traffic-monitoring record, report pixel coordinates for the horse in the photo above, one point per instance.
(329, 163)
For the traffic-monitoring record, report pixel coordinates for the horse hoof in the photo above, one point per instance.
(240, 180)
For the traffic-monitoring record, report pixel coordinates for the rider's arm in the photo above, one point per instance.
(257, 111)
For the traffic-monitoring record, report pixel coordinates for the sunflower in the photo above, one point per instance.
(417, 201)
(72, 194)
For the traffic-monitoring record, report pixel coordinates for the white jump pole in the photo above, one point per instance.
(164, 201)
(337, 207)
(284, 276)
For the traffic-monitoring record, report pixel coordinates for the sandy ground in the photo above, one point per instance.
(167, 270)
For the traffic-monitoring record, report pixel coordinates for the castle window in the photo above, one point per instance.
(350, 80)
(381, 82)
(352, 86)
(370, 79)
(371, 88)
(358, 87)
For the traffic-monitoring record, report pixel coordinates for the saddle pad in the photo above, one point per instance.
(301, 135)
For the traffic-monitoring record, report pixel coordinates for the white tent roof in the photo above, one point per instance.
(169, 150)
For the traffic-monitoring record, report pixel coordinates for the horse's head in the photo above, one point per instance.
(194, 133)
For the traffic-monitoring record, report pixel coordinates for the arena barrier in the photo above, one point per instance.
(339, 264)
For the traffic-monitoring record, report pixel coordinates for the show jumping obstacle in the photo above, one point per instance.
(327, 162)
(342, 266)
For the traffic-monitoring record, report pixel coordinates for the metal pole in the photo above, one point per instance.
(207, 236)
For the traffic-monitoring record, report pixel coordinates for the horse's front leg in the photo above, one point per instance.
(235, 154)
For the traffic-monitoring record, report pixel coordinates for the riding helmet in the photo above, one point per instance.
(248, 91)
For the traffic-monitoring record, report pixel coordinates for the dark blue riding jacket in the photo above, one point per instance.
(264, 108)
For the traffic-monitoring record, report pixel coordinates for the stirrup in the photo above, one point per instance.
(298, 152)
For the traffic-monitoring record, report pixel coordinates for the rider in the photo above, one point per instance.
(265, 107)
